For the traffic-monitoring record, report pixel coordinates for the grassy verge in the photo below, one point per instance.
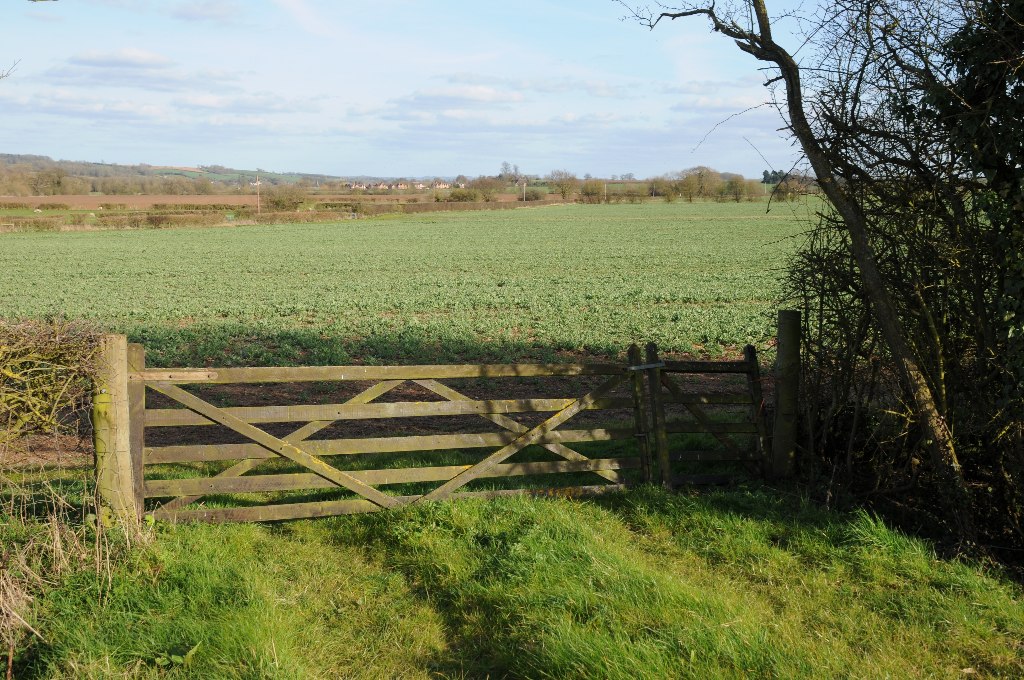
(742, 582)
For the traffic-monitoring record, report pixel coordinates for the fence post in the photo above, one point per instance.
(640, 414)
(757, 404)
(787, 393)
(111, 430)
(137, 419)
(658, 416)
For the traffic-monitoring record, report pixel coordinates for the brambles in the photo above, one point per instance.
(45, 374)
(284, 197)
(591, 191)
(564, 183)
(461, 196)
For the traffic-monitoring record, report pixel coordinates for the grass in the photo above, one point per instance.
(733, 583)
(518, 284)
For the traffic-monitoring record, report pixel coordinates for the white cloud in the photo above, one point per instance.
(125, 58)
(73, 104)
(308, 18)
(219, 12)
(47, 17)
(562, 85)
(108, 70)
(736, 103)
(260, 103)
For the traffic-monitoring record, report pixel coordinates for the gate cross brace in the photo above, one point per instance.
(304, 432)
(515, 426)
(521, 442)
(276, 445)
(700, 415)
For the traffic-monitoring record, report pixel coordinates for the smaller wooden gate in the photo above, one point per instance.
(253, 470)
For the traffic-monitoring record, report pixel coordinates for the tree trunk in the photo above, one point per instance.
(759, 43)
(940, 439)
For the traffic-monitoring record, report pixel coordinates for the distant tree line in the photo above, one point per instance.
(32, 175)
(29, 175)
(704, 183)
(17, 182)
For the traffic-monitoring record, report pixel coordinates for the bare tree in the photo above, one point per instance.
(750, 27)
(564, 182)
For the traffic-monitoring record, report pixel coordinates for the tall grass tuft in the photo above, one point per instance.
(48, 536)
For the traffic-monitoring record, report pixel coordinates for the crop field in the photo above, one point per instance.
(535, 283)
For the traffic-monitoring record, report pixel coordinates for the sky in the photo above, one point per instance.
(390, 88)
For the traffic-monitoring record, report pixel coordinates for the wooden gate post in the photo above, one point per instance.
(111, 430)
(137, 420)
(757, 406)
(787, 393)
(658, 415)
(640, 413)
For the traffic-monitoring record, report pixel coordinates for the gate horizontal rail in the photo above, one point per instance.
(642, 393)
(272, 374)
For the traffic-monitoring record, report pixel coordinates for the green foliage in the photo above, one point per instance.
(981, 107)
(692, 277)
(535, 194)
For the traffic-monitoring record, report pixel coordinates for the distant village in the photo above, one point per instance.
(403, 185)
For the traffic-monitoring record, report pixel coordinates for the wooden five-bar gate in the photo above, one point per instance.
(253, 470)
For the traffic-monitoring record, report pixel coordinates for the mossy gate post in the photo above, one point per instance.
(787, 394)
(113, 435)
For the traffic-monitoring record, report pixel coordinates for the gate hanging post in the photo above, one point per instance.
(658, 415)
(137, 420)
(115, 482)
(787, 393)
(640, 414)
(757, 405)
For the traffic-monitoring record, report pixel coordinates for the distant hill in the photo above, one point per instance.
(215, 173)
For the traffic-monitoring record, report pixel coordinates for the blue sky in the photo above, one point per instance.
(383, 87)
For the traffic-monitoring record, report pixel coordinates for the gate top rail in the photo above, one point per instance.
(343, 373)
(744, 366)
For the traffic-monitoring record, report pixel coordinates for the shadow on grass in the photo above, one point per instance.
(267, 344)
(612, 587)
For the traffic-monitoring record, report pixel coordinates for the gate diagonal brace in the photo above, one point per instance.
(276, 445)
(515, 426)
(304, 432)
(701, 416)
(521, 442)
